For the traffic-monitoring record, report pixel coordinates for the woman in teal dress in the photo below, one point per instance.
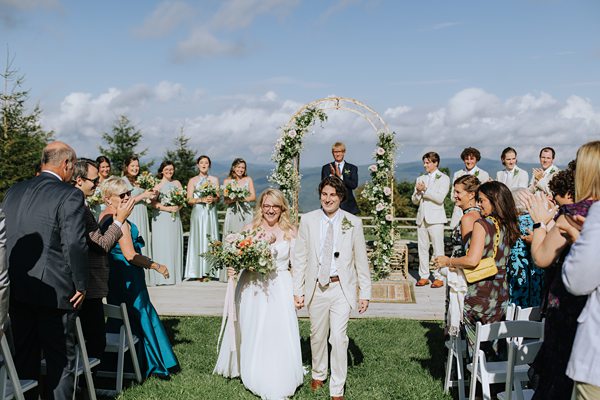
(139, 215)
(204, 224)
(167, 232)
(126, 284)
(239, 211)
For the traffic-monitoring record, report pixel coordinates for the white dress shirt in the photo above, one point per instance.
(325, 221)
(52, 173)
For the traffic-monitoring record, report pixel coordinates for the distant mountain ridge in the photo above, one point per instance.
(311, 176)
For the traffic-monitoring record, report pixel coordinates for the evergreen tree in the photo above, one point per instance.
(184, 159)
(22, 138)
(122, 143)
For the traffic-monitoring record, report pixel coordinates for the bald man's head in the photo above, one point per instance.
(59, 158)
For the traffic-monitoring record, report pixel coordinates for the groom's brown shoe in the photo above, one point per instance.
(315, 384)
(337, 397)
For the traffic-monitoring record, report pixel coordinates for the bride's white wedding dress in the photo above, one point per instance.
(268, 339)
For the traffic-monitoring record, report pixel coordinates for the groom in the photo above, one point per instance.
(330, 261)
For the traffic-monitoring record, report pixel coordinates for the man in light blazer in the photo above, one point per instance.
(429, 194)
(512, 176)
(47, 261)
(347, 172)
(581, 276)
(470, 157)
(542, 176)
(330, 264)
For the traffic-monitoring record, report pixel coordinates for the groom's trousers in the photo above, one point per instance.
(329, 312)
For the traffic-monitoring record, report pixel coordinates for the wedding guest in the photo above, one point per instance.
(429, 194)
(525, 279)
(512, 176)
(269, 361)
(204, 223)
(541, 176)
(549, 249)
(167, 232)
(48, 268)
(85, 178)
(581, 277)
(4, 281)
(347, 172)
(487, 299)
(562, 185)
(331, 277)
(470, 157)
(239, 211)
(465, 192)
(139, 215)
(126, 284)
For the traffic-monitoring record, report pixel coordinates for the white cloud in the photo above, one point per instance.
(202, 43)
(166, 17)
(237, 14)
(248, 125)
(441, 25)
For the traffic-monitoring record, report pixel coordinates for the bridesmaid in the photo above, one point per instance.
(239, 212)
(204, 224)
(139, 215)
(103, 173)
(167, 232)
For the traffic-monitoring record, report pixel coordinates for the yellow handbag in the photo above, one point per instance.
(487, 266)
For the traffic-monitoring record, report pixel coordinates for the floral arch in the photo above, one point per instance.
(379, 191)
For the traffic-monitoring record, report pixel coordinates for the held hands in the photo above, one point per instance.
(421, 187)
(538, 173)
(439, 262)
(362, 305)
(334, 171)
(124, 209)
(299, 302)
(77, 299)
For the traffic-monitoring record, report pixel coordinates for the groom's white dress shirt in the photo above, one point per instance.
(581, 276)
(325, 221)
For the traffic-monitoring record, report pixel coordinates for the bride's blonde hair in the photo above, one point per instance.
(284, 218)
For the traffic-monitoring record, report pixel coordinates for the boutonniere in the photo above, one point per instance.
(346, 224)
(516, 172)
(552, 170)
(476, 173)
(438, 176)
(346, 172)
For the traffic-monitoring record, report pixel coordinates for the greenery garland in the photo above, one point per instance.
(288, 148)
(378, 192)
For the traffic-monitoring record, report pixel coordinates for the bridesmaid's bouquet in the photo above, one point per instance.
(174, 197)
(245, 250)
(235, 192)
(206, 189)
(146, 180)
(95, 199)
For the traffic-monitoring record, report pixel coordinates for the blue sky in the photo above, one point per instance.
(443, 74)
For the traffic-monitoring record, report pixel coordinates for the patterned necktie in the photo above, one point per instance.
(325, 270)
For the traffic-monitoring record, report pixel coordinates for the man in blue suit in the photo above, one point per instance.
(347, 172)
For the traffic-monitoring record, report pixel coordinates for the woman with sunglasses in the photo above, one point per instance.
(126, 284)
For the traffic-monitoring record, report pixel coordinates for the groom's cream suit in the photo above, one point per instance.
(329, 306)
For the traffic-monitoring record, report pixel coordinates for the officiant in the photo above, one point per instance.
(347, 172)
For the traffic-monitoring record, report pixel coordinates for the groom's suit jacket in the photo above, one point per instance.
(352, 263)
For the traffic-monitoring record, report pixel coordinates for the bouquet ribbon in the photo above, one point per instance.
(229, 316)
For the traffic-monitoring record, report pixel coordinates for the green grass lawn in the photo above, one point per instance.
(389, 359)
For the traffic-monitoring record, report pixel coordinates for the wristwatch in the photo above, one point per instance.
(539, 225)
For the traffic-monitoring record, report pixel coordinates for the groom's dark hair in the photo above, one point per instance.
(336, 183)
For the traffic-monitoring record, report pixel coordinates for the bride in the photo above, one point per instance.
(267, 336)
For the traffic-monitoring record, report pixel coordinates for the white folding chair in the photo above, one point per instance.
(83, 364)
(120, 343)
(11, 386)
(457, 353)
(510, 312)
(528, 314)
(495, 372)
(519, 354)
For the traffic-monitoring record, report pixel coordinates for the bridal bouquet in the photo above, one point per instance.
(245, 250)
(235, 192)
(146, 180)
(206, 189)
(95, 199)
(174, 197)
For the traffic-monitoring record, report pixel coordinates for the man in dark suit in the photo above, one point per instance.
(347, 172)
(47, 260)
